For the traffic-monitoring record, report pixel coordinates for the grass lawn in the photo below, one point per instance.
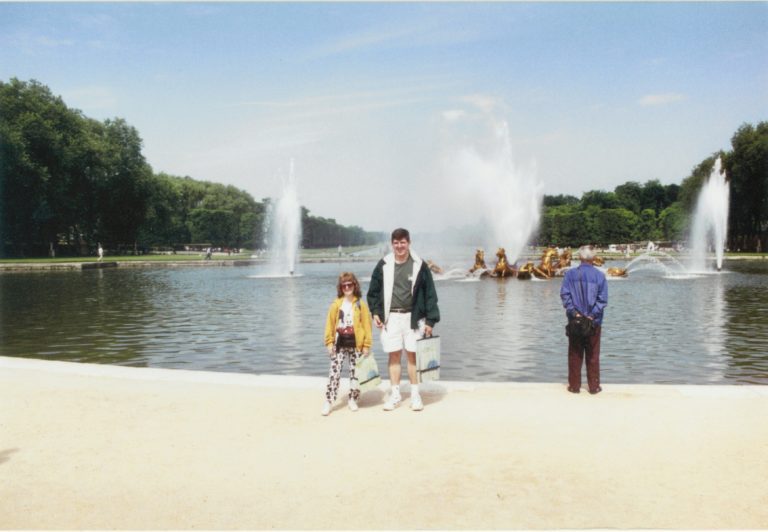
(244, 255)
(124, 258)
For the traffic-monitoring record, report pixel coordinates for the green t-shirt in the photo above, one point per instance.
(401, 291)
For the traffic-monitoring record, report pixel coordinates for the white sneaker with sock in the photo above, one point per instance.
(326, 408)
(352, 405)
(394, 400)
(416, 402)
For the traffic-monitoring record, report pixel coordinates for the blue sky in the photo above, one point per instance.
(373, 101)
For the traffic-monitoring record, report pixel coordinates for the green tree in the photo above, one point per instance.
(599, 198)
(747, 169)
(614, 226)
(565, 225)
(691, 185)
(42, 145)
(647, 226)
(654, 196)
(672, 193)
(123, 189)
(630, 196)
(560, 199)
(674, 222)
(215, 226)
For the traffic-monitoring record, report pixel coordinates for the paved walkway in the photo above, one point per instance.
(102, 447)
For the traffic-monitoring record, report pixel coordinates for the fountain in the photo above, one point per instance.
(710, 225)
(659, 261)
(283, 229)
(484, 177)
(710, 220)
(709, 230)
(554, 263)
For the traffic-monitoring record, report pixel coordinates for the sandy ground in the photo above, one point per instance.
(101, 447)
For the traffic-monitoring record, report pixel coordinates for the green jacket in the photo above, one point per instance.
(422, 287)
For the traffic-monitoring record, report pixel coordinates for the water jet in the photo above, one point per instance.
(710, 220)
(283, 229)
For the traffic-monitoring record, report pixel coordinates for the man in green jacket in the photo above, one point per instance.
(403, 301)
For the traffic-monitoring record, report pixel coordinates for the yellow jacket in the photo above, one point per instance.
(361, 322)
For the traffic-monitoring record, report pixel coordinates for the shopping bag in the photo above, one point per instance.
(428, 359)
(366, 373)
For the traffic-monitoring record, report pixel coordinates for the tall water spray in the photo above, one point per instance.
(283, 228)
(506, 197)
(710, 220)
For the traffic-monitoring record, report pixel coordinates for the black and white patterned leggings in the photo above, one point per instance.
(334, 376)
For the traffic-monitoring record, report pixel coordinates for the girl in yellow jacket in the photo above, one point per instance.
(347, 334)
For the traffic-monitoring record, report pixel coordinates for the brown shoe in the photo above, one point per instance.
(596, 390)
(573, 390)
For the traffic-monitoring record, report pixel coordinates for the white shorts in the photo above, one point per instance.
(398, 335)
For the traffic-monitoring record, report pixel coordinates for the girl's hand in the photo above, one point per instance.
(331, 350)
(366, 351)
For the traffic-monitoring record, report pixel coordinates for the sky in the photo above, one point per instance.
(423, 115)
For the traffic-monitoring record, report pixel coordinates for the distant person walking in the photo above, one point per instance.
(348, 334)
(100, 253)
(403, 301)
(584, 292)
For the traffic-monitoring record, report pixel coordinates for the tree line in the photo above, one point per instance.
(68, 182)
(651, 211)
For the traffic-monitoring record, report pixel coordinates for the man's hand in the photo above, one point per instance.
(427, 331)
(377, 321)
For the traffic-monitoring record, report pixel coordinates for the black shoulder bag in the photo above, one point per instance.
(580, 326)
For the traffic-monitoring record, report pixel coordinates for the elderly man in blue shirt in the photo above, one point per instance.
(585, 293)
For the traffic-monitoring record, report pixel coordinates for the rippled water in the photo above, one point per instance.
(696, 329)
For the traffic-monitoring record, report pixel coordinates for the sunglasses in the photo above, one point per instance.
(347, 285)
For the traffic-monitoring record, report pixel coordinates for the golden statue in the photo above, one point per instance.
(479, 261)
(503, 269)
(551, 265)
(525, 271)
(546, 268)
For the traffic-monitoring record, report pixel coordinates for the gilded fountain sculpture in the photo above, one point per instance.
(552, 264)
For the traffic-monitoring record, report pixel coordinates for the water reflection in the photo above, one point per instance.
(700, 329)
(747, 338)
(715, 344)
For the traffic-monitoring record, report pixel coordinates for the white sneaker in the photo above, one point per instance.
(326, 408)
(393, 401)
(352, 405)
(416, 402)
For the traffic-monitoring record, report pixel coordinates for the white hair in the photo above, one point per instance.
(586, 253)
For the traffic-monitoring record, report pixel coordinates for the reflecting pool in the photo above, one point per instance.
(691, 329)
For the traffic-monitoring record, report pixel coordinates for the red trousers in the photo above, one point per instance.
(577, 348)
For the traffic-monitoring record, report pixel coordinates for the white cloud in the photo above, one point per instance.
(483, 102)
(333, 102)
(92, 20)
(438, 31)
(33, 43)
(660, 99)
(453, 115)
(44, 40)
(367, 39)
